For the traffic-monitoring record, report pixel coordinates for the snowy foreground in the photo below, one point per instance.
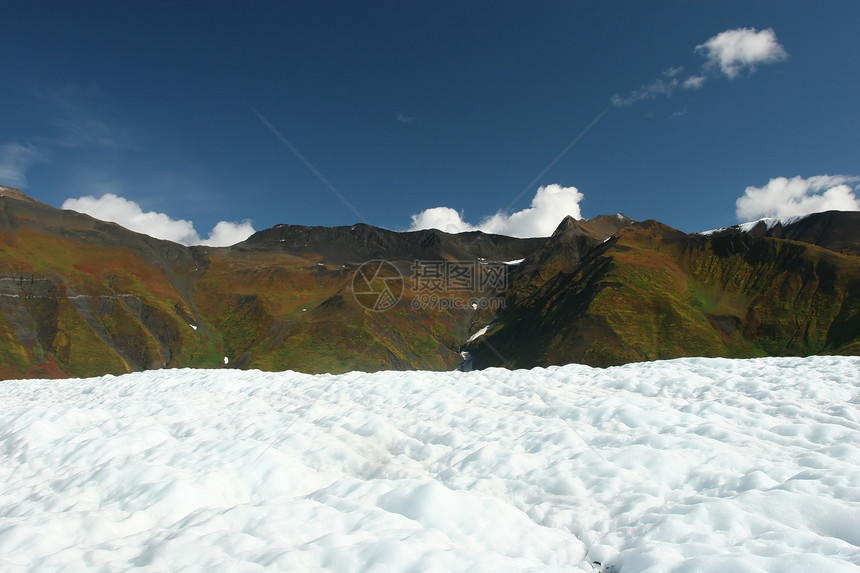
(682, 465)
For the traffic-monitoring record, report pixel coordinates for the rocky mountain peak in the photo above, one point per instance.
(15, 194)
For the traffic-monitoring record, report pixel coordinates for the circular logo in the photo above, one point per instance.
(377, 285)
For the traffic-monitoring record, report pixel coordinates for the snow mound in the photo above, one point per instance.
(769, 223)
(681, 465)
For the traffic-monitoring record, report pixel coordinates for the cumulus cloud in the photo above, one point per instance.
(226, 233)
(442, 218)
(783, 197)
(728, 53)
(403, 118)
(743, 48)
(549, 206)
(110, 207)
(15, 160)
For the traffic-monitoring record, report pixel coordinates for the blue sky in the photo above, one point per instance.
(198, 112)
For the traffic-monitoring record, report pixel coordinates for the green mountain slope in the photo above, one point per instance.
(652, 292)
(81, 297)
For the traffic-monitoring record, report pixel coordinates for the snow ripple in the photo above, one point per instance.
(681, 465)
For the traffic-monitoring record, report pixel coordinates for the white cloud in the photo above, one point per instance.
(731, 52)
(783, 197)
(648, 91)
(442, 218)
(403, 118)
(226, 233)
(742, 48)
(693, 82)
(15, 159)
(110, 207)
(549, 206)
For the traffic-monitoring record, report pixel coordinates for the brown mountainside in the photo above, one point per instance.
(80, 297)
(652, 292)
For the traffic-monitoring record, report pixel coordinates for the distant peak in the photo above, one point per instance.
(569, 221)
(567, 226)
(763, 225)
(15, 194)
(614, 219)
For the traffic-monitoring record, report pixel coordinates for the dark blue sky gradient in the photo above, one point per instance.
(155, 102)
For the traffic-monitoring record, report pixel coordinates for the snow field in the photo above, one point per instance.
(681, 465)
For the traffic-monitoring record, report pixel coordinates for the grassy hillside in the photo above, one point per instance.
(653, 292)
(71, 308)
(81, 297)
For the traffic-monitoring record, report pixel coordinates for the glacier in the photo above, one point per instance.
(694, 464)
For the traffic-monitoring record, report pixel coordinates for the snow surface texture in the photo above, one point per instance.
(697, 465)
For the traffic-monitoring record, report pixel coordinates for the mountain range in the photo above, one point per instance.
(82, 297)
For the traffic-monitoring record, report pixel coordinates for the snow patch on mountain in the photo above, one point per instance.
(480, 332)
(769, 222)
